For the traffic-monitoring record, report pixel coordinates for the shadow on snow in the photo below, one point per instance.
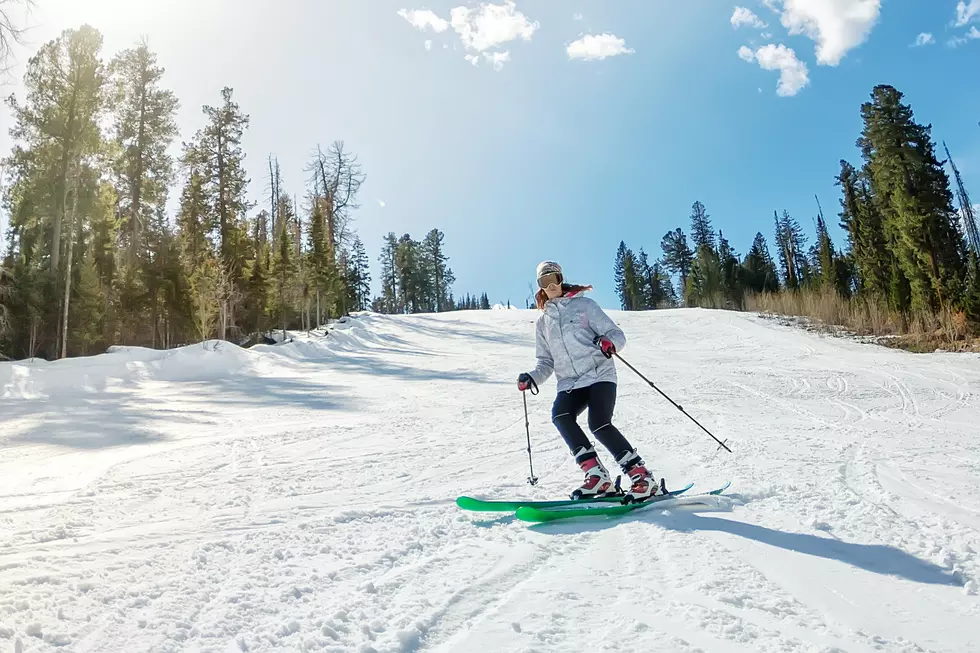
(103, 418)
(877, 558)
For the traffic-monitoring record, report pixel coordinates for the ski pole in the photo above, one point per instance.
(532, 479)
(676, 405)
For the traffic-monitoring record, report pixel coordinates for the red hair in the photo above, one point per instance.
(566, 289)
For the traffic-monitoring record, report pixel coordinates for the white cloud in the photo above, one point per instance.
(423, 19)
(577, 16)
(924, 39)
(480, 28)
(965, 13)
(591, 47)
(837, 26)
(487, 26)
(956, 41)
(382, 203)
(497, 59)
(743, 16)
(793, 73)
(766, 35)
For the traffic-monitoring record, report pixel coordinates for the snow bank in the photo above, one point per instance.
(121, 365)
(39, 379)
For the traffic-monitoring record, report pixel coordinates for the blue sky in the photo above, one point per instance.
(602, 122)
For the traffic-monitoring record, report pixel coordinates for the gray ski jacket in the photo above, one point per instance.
(564, 343)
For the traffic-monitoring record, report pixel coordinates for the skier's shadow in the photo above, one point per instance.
(877, 558)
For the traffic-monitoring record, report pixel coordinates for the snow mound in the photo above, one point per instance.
(39, 379)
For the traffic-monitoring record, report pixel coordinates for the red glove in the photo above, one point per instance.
(606, 345)
(525, 382)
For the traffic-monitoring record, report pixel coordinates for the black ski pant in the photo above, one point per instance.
(600, 399)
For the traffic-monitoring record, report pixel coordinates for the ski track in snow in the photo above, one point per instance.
(300, 497)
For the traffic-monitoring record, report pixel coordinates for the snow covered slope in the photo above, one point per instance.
(300, 497)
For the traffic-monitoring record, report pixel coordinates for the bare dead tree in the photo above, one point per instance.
(337, 177)
(10, 33)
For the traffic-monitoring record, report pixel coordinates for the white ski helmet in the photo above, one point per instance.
(549, 267)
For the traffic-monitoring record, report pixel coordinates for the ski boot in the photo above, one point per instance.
(597, 480)
(644, 484)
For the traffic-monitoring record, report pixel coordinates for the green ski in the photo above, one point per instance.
(539, 515)
(479, 505)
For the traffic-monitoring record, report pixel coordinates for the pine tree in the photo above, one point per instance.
(619, 275)
(791, 244)
(411, 291)
(705, 285)
(438, 272)
(217, 153)
(731, 272)
(911, 190)
(88, 310)
(284, 266)
(389, 274)
(648, 294)
(26, 286)
(760, 270)
(194, 222)
(826, 257)
(360, 275)
(660, 288)
(144, 128)
(51, 168)
(257, 290)
(629, 281)
(862, 222)
(322, 264)
(702, 234)
(678, 257)
(484, 302)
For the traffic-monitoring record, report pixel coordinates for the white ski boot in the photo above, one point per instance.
(597, 480)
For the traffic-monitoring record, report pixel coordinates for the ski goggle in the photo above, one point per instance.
(546, 280)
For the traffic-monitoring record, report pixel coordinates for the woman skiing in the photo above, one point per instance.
(575, 340)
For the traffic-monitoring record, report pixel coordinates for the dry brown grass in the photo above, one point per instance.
(920, 331)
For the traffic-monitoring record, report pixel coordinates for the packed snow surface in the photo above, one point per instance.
(300, 496)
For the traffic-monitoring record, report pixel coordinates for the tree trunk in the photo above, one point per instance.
(222, 217)
(137, 179)
(63, 178)
(71, 248)
(154, 321)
